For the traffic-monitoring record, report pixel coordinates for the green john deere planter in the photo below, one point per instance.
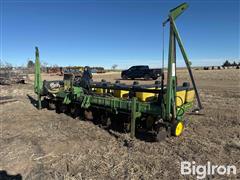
(157, 110)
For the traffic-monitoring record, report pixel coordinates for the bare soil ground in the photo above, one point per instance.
(46, 145)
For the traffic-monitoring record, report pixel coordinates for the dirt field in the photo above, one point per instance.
(46, 145)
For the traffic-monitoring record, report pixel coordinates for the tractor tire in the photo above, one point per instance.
(146, 77)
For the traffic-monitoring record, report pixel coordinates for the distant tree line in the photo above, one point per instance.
(228, 64)
(5, 65)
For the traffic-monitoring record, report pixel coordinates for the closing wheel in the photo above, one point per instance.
(51, 106)
(88, 115)
(178, 128)
(63, 108)
(75, 112)
(161, 135)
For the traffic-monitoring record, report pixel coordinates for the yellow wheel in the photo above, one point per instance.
(178, 128)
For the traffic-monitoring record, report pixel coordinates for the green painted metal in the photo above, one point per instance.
(182, 110)
(171, 84)
(67, 99)
(174, 13)
(171, 81)
(133, 117)
(87, 101)
(177, 11)
(38, 84)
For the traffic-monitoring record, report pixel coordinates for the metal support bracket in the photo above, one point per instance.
(67, 99)
(86, 102)
(134, 115)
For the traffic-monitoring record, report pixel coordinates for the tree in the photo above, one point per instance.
(226, 63)
(234, 63)
(6, 65)
(114, 66)
(30, 64)
(44, 64)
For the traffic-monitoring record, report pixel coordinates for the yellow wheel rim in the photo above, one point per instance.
(179, 129)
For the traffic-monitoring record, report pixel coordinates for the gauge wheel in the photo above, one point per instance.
(161, 134)
(178, 128)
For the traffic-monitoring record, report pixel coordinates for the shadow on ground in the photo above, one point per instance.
(34, 102)
(5, 176)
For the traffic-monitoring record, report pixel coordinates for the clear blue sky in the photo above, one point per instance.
(123, 32)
